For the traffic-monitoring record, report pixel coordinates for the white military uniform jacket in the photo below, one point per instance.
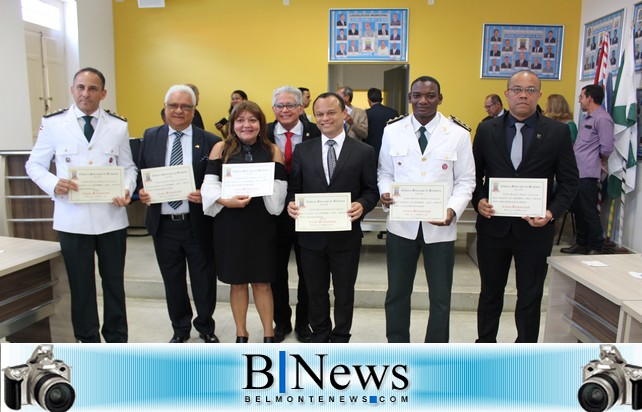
(62, 138)
(448, 158)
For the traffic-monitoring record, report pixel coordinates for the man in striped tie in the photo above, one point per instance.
(181, 233)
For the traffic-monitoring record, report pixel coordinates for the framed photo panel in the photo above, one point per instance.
(637, 36)
(368, 35)
(593, 32)
(509, 48)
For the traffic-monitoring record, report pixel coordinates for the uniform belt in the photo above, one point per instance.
(176, 218)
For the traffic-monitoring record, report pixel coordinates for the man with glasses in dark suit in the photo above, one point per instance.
(182, 234)
(524, 144)
(287, 132)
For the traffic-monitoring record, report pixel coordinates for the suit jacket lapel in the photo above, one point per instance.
(538, 136)
(317, 160)
(197, 147)
(101, 127)
(161, 145)
(346, 150)
(499, 138)
(74, 126)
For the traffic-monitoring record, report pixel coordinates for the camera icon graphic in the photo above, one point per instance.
(42, 380)
(610, 381)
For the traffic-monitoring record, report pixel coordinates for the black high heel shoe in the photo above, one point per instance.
(241, 339)
(268, 339)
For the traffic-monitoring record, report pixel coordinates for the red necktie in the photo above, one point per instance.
(288, 151)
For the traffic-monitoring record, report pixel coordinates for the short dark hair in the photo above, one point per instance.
(240, 93)
(374, 95)
(595, 92)
(304, 89)
(427, 79)
(331, 94)
(495, 99)
(94, 71)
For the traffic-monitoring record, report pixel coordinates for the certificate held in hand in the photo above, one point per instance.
(247, 179)
(513, 197)
(418, 201)
(323, 212)
(97, 184)
(169, 183)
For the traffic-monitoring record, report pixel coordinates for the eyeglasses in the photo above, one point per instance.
(488, 106)
(183, 107)
(289, 106)
(519, 90)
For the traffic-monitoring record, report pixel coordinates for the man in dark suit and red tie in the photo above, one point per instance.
(287, 131)
(182, 234)
(524, 144)
(333, 164)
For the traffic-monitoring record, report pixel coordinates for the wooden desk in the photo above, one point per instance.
(632, 310)
(34, 293)
(587, 303)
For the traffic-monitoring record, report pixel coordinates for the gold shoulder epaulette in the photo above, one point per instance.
(396, 119)
(56, 112)
(459, 122)
(116, 115)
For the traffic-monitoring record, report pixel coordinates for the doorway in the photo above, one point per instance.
(46, 67)
(392, 79)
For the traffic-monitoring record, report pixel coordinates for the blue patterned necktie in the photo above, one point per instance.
(176, 158)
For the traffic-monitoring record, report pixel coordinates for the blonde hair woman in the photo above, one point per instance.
(557, 108)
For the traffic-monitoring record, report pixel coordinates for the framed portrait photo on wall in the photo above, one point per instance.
(368, 35)
(593, 33)
(637, 36)
(509, 48)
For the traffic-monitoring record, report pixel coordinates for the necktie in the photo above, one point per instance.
(423, 140)
(176, 158)
(332, 158)
(518, 145)
(88, 129)
(288, 151)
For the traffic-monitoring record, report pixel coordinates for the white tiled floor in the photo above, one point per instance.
(149, 322)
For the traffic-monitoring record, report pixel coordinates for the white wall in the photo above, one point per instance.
(592, 10)
(15, 113)
(96, 43)
(92, 44)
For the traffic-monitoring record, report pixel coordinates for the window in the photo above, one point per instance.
(41, 13)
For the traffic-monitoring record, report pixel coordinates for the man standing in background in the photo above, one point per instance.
(85, 134)
(356, 120)
(378, 115)
(594, 144)
(493, 106)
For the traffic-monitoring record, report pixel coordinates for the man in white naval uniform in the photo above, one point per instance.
(424, 147)
(86, 135)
